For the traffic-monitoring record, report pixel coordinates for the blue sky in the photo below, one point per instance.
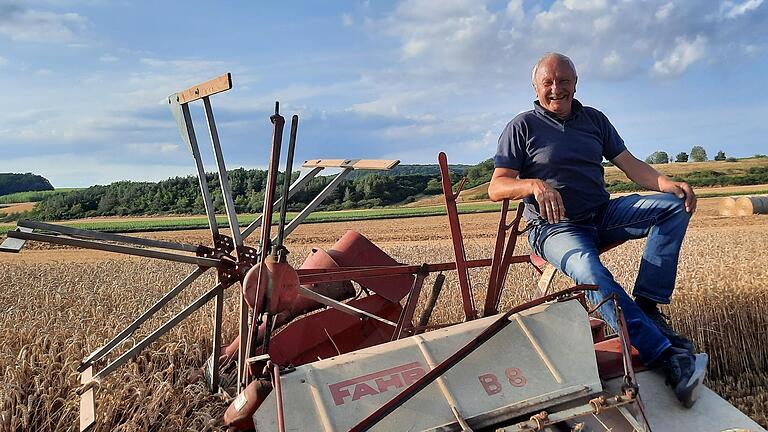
(84, 82)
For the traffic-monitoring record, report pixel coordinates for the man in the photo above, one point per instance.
(551, 158)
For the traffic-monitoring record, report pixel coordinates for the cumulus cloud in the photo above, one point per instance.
(29, 25)
(610, 40)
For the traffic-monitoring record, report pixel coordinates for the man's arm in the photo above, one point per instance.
(647, 177)
(505, 185)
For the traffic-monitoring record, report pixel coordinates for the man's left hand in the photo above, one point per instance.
(682, 190)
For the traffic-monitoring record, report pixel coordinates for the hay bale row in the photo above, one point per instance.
(744, 206)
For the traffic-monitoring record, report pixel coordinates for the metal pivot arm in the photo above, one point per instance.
(495, 327)
(184, 122)
(470, 312)
(342, 306)
(501, 261)
(296, 221)
(296, 186)
(106, 349)
(406, 317)
(128, 250)
(89, 234)
(197, 304)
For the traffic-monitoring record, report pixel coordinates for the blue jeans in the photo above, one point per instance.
(573, 247)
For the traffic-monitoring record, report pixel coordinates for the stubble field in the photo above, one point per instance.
(59, 304)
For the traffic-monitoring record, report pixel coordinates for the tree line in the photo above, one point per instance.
(181, 195)
(698, 154)
(12, 183)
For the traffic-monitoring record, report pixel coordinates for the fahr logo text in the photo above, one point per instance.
(376, 382)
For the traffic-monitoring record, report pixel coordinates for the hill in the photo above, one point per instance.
(747, 171)
(12, 183)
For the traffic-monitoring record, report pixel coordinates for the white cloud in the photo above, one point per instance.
(28, 25)
(108, 58)
(347, 20)
(486, 41)
(680, 57)
(3, 61)
(153, 148)
(732, 9)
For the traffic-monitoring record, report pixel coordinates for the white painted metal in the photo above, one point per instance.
(664, 412)
(506, 377)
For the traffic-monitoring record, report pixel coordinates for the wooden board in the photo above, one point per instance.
(365, 164)
(210, 87)
(87, 404)
(14, 244)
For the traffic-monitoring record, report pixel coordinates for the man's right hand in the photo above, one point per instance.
(550, 202)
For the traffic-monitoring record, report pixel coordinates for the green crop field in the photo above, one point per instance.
(31, 196)
(197, 222)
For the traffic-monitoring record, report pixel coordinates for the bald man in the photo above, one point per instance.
(551, 158)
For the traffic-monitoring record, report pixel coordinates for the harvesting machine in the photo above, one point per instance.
(360, 361)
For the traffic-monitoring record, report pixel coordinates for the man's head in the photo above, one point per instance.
(554, 78)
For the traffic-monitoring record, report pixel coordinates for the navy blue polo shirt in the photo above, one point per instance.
(566, 154)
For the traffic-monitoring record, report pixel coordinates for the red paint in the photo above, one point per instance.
(490, 383)
(376, 382)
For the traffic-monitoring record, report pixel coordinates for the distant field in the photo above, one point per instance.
(33, 196)
(171, 223)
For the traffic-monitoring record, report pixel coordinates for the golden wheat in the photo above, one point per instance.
(54, 314)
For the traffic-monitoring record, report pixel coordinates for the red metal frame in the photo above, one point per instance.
(458, 243)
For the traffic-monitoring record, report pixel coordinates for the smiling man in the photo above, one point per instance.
(551, 157)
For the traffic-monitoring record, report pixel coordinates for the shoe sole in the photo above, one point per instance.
(688, 393)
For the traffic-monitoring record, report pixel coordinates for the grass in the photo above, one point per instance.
(173, 223)
(31, 196)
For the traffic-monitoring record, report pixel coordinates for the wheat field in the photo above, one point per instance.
(60, 304)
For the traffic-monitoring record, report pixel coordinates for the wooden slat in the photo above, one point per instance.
(87, 404)
(376, 164)
(365, 164)
(210, 87)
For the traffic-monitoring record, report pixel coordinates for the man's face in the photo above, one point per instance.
(555, 85)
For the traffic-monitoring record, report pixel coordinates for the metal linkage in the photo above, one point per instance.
(470, 312)
(128, 331)
(108, 247)
(501, 261)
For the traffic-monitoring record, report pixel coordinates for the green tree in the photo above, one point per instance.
(657, 157)
(698, 154)
(720, 156)
(681, 157)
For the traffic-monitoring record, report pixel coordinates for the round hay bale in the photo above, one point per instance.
(727, 206)
(748, 205)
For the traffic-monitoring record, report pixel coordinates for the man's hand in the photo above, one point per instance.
(681, 190)
(550, 202)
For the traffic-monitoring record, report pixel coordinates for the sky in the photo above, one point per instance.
(85, 82)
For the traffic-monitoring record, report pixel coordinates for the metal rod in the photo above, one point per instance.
(344, 307)
(217, 321)
(307, 276)
(106, 349)
(491, 308)
(496, 326)
(76, 232)
(128, 250)
(287, 181)
(184, 122)
(197, 304)
(296, 221)
(468, 301)
(247, 341)
(505, 260)
(431, 302)
(226, 190)
(296, 186)
(406, 317)
(278, 397)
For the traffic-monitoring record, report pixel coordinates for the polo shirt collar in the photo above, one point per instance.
(576, 108)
